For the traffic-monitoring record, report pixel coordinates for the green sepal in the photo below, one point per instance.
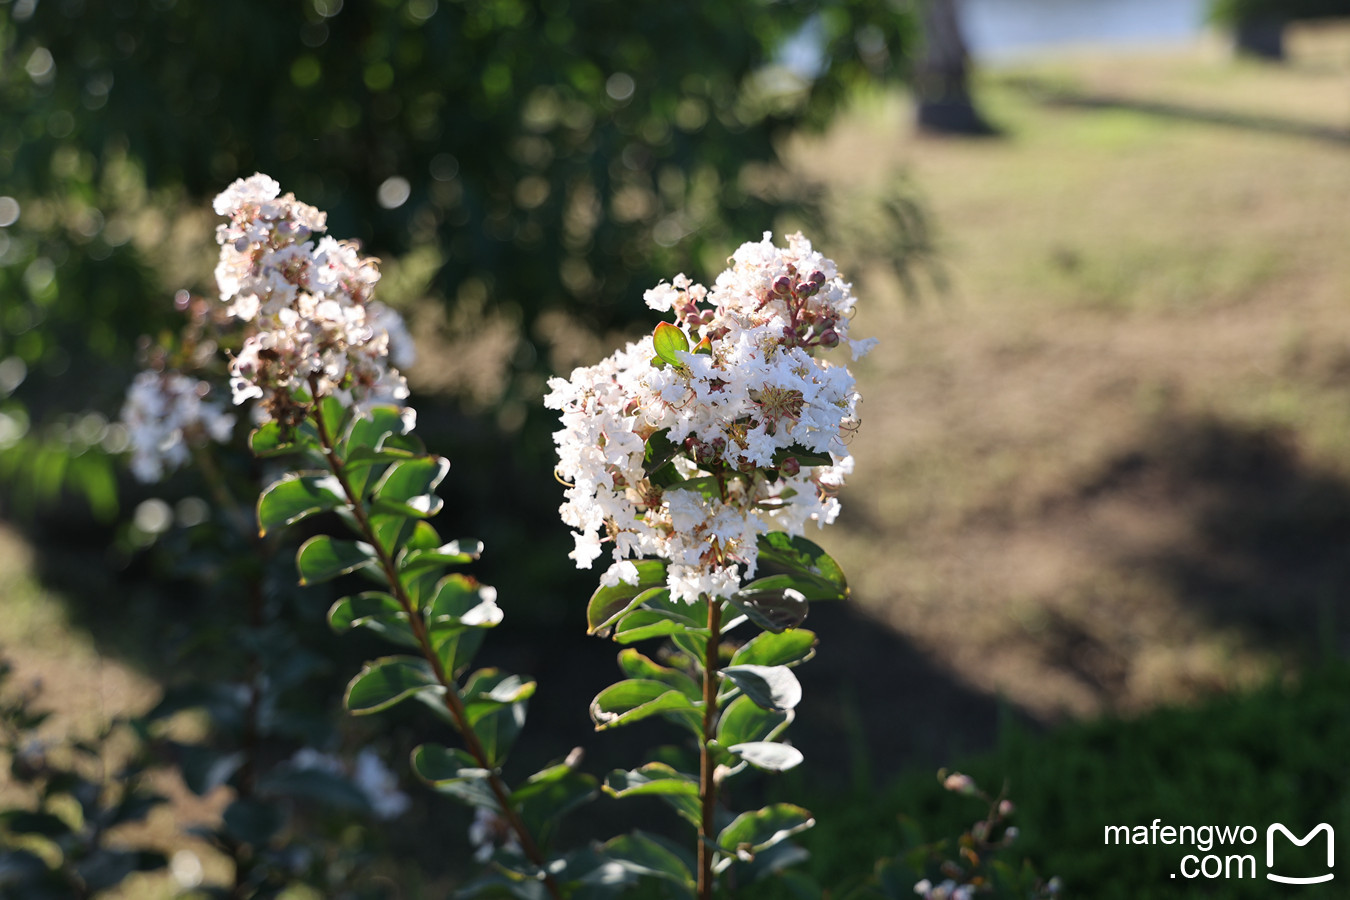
(607, 604)
(387, 681)
(771, 687)
(744, 721)
(375, 611)
(669, 341)
(296, 497)
(787, 648)
(636, 665)
(751, 832)
(451, 771)
(323, 558)
(658, 780)
(635, 699)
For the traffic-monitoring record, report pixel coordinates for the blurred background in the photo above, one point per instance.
(1098, 529)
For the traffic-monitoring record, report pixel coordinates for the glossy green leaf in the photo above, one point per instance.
(274, 439)
(751, 832)
(774, 611)
(636, 665)
(410, 485)
(296, 497)
(375, 611)
(635, 699)
(489, 689)
(658, 780)
(642, 624)
(461, 601)
(608, 603)
(456, 646)
(787, 648)
(669, 341)
(744, 721)
(386, 681)
(550, 794)
(780, 554)
(455, 553)
(454, 772)
(643, 855)
(771, 687)
(658, 451)
(371, 427)
(322, 558)
(769, 755)
(804, 456)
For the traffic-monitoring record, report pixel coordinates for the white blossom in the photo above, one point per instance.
(313, 329)
(738, 408)
(166, 414)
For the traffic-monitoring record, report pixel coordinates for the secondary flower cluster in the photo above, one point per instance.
(165, 413)
(314, 328)
(689, 444)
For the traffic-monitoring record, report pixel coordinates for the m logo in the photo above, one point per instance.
(1270, 852)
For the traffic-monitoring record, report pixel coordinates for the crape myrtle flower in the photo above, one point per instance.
(313, 329)
(756, 420)
(166, 414)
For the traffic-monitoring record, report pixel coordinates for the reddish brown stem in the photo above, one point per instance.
(707, 789)
(454, 704)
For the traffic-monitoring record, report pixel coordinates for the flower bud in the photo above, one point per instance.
(1005, 808)
(805, 289)
(790, 466)
(817, 277)
(782, 285)
(961, 784)
(830, 338)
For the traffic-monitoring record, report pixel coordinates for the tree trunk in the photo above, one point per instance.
(942, 76)
(1262, 37)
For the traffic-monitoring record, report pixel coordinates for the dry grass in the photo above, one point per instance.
(1144, 349)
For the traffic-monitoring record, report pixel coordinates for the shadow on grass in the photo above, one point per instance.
(1052, 94)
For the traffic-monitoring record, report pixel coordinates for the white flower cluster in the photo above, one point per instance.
(166, 413)
(739, 408)
(315, 327)
(368, 773)
(945, 890)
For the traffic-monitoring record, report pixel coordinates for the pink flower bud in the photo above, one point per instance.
(790, 466)
(782, 285)
(830, 338)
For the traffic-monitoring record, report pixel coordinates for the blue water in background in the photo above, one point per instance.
(997, 29)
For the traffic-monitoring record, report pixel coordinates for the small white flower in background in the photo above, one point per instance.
(960, 784)
(947, 890)
(314, 326)
(488, 831)
(368, 773)
(749, 394)
(165, 414)
(379, 785)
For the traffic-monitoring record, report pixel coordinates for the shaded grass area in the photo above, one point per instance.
(1275, 754)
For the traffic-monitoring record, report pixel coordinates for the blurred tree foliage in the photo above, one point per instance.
(533, 156)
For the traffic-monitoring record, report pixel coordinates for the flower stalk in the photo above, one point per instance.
(707, 854)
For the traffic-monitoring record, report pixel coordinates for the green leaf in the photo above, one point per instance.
(494, 704)
(771, 687)
(769, 755)
(641, 624)
(273, 439)
(706, 486)
(668, 341)
(455, 553)
(780, 554)
(375, 611)
(658, 451)
(804, 456)
(313, 784)
(386, 681)
(322, 558)
(642, 855)
(296, 497)
(551, 794)
(787, 648)
(456, 646)
(635, 699)
(636, 665)
(454, 772)
(745, 721)
(774, 611)
(461, 601)
(408, 487)
(751, 832)
(658, 780)
(608, 603)
(370, 428)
